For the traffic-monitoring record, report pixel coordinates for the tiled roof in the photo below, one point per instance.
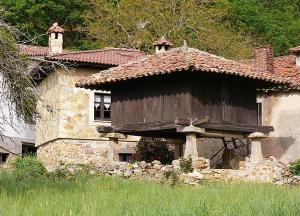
(162, 41)
(108, 56)
(55, 28)
(178, 59)
(295, 49)
(32, 50)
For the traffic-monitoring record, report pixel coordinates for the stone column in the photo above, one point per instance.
(191, 145)
(190, 139)
(256, 151)
(114, 147)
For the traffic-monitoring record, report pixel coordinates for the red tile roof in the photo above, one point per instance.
(32, 50)
(295, 50)
(55, 28)
(107, 56)
(162, 41)
(179, 59)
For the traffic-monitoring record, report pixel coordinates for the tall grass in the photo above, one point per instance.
(114, 196)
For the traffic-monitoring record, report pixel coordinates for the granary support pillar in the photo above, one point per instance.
(256, 150)
(191, 139)
(114, 147)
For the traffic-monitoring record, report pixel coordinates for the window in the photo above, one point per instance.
(56, 35)
(3, 157)
(259, 114)
(124, 157)
(102, 104)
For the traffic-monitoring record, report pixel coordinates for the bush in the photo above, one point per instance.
(186, 165)
(150, 149)
(28, 166)
(171, 177)
(295, 167)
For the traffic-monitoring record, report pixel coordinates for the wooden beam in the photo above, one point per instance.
(199, 121)
(182, 121)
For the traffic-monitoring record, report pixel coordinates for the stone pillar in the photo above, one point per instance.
(256, 151)
(191, 145)
(114, 147)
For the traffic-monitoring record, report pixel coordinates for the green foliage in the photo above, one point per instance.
(275, 22)
(295, 167)
(171, 177)
(150, 149)
(138, 23)
(186, 164)
(34, 17)
(27, 167)
(115, 196)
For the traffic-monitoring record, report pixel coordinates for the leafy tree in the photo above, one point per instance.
(17, 94)
(138, 23)
(275, 22)
(34, 17)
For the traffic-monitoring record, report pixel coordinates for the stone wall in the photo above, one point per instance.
(281, 110)
(65, 131)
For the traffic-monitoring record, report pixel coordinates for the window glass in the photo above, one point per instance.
(102, 104)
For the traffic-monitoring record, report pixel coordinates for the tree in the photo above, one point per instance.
(17, 94)
(138, 23)
(275, 22)
(34, 17)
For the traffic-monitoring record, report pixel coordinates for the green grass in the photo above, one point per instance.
(114, 196)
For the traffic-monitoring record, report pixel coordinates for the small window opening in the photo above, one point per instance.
(125, 157)
(259, 114)
(56, 35)
(28, 149)
(3, 157)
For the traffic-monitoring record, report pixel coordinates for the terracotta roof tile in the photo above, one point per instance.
(108, 56)
(55, 28)
(32, 50)
(179, 59)
(295, 50)
(162, 41)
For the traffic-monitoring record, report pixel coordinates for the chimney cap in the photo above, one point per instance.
(55, 28)
(163, 42)
(295, 50)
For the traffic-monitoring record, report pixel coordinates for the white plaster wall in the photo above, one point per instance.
(282, 111)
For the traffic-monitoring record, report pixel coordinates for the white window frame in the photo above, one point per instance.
(92, 121)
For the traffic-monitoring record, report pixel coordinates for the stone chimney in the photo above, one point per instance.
(264, 59)
(296, 52)
(55, 43)
(162, 45)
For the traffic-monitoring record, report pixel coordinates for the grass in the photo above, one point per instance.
(114, 196)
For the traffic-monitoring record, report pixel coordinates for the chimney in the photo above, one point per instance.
(162, 45)
(264, 59)
(296, 52)
(55, 43)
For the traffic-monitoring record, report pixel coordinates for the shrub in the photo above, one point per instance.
(171, 177)
(150, 149)
(28, 166)
(186, 164)
(295, 167)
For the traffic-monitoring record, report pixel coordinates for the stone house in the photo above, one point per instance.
(66, 126)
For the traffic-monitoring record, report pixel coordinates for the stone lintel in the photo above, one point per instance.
(190, 129)
(115, 136)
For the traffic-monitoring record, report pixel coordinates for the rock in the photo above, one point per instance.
(127, 174)
(143, 165)
(176, 164)
(156, 162)
(196, 175)
(157, 166)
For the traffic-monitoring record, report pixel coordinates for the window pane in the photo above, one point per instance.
(97, 114)
(106, 114)
(97, 98)
(107, 99)
(106, 106)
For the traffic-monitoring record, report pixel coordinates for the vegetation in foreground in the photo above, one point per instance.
(114, 196)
